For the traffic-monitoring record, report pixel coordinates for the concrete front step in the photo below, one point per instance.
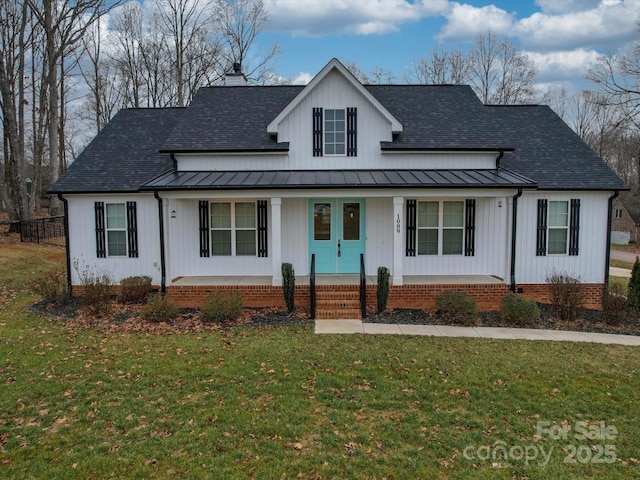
(335, 313)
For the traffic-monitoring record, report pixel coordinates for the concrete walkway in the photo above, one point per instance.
(357, 326)
(619, 272)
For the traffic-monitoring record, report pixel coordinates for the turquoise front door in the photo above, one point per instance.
(337, 234)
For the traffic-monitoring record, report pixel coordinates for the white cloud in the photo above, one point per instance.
(364, 17)
(611, 21)
(466, 22)
(562, 65)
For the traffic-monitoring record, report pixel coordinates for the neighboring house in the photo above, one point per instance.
(625, 218)
(446, 192)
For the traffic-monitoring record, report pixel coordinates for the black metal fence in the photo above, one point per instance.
(49, 230)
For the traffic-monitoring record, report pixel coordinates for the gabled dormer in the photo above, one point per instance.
(324, 119)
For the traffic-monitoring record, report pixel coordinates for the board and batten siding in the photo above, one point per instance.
(82, 234)
(295, 234)
(491, 244)
(182, 239)
(588, 265)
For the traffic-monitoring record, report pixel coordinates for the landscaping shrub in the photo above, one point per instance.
(159, 309)
(633, 294)
(52, 286)
(518, 311)
(222, 306)
(457, 307)
(96, 285)
(288, 285)
(383, 288)
(614, 304)
(134, 289)
(566, 295)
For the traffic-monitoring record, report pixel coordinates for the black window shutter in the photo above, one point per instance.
(541, 240)
(101, 250)
(132, 229)
(317, 132)
(204, 228)
(411, 228)
(262, 229)
(352, 132)
(574, 227)
(470, 228)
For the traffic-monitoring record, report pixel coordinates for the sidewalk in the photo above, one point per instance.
(357, 326)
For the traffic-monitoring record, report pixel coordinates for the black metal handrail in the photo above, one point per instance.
(312, 286)
(363, 288)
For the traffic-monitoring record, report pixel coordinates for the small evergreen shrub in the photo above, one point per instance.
(382, 292)
(289, 285)
(220, 307)
(614, 304)
(633, 294)
(52, 287)
(159, 309)
(96, 284)
(134, 289)
(518, 311)
(457, 307)
(566, 295)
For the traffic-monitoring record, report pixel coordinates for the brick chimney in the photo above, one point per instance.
(235, 78)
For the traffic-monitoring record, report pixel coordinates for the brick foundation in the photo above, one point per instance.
(405, 296)
(593, 293)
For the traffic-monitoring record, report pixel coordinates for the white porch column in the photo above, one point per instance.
(276, 241)
(398, 249)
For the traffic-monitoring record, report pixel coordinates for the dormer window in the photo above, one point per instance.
(335, 132)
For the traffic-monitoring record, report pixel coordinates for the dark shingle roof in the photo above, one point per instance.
(631, 201)
(549, 152)
(540, 145)
(447, 117)
(230, 119)
(124, 155)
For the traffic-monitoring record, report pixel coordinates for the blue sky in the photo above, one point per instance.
(562, 36)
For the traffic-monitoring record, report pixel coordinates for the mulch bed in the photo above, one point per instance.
(126, 318)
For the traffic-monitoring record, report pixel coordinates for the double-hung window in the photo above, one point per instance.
(440, 227)
(558, 227)
(233, 229)
(116, 229)
(335, 131)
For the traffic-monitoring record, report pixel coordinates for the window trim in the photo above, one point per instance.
(566, 228)
(108, 229)
(440, 228)
(233, 229)
(325, 131)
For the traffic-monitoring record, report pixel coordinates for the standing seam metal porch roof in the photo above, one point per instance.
(289, 179)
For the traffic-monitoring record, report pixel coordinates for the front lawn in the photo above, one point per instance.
(281, 402)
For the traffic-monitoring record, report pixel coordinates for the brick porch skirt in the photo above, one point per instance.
(405, 296)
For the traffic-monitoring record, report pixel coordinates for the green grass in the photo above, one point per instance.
(285, 403)
(620, 264)
(624, 282)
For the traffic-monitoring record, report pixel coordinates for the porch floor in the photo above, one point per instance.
(331, 279)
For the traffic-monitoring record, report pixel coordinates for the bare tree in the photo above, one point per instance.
(64, 24)
(499, 72)
(240, 22)
(13, 40)
(446, 67)
(357, 72)
(618, 77)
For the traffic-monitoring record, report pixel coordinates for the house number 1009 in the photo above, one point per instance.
(398, 223)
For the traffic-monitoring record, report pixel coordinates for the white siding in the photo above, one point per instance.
(83, 238)
(588, 265)
(491, 243)
(295, 234)
(379, 228)
(183, 244)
